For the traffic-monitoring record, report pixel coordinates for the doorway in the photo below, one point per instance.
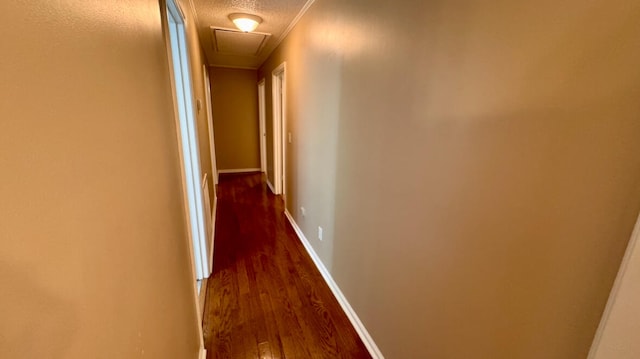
(212, 146)
(188, 139)
(281, 136)
(263, 127)
(211, 215)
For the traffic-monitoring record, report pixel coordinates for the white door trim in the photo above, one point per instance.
(263, 126)
(279, 88)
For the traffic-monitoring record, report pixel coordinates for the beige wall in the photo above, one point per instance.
(618, 333)
(94, 253)
(475, 166)
(235, 118)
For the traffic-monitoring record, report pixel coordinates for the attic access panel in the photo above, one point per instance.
(234, 42)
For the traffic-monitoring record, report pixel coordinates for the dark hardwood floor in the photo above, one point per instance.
(265, 298)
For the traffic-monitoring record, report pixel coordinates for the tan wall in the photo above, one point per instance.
(475, 166)
(235, 118)
(618, 332)
(94, 254)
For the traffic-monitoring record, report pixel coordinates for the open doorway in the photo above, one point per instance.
(188, 139)
(212, 147)
(281, 136)
(211, 215)
(263, 127)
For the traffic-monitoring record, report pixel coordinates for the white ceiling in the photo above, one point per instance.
(223, 48)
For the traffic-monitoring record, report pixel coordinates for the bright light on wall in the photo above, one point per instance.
(245, 22)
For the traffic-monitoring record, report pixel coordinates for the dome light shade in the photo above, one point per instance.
(245, 22)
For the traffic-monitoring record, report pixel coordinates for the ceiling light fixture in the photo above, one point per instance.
(245, 22)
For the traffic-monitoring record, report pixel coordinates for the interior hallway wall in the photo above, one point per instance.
(475, 167)
(235, 118)
(94, 251)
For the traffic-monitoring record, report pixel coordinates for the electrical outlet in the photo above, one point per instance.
(303, 211)
(319, 233)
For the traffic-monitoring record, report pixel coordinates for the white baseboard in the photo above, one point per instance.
(270, 186)
(239, 170)
(203, 353)
(346, 307)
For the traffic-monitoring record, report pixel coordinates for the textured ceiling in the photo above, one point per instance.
(277, 16)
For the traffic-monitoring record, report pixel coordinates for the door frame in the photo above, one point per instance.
(263, 127)
(214, 165)
(187, 134)
(212, 147)
(279, 90)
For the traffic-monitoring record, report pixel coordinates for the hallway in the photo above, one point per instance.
(265, 298)
(464, 174)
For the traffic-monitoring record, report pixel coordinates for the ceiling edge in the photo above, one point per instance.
(234, 67)
(194, 12)
(295, 20)
(286, 32)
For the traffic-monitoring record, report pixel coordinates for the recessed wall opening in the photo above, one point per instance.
(281, 136)
(263, 129)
